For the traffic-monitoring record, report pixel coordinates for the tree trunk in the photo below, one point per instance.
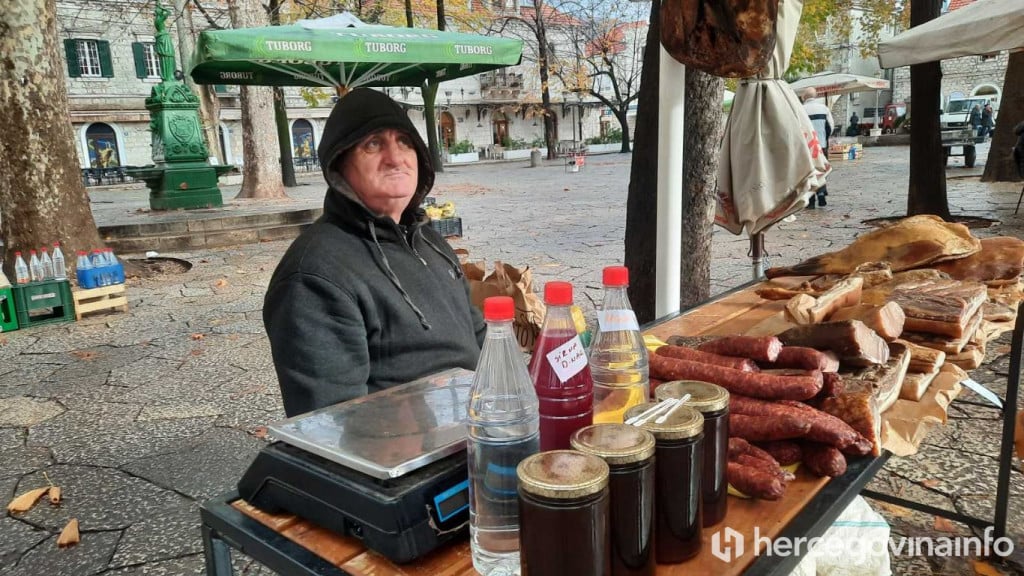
(623, 119)
(284, 138)
(642, 201)
(208, 115)
(409, 23)
(550, 136)
(284, 134)
(429, 91)
(1000, 166)
(927, 193)
(703, 133)
(42, 198)
(261, 173)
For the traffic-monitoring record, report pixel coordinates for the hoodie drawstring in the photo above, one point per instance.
(394, 277)
(455, 265)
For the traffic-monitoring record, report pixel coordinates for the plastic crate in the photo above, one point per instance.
(448, 227)
(8, 316)
(40, 303)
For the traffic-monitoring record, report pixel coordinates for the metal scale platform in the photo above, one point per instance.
(388, 468)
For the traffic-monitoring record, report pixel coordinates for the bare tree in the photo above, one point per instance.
(1000, 166)
(209, 110)
(42, 197)
(604, 58)
(261, 173)
(284, 136)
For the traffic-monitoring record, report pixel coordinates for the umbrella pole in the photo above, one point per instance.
(757, 255)
(671, 99)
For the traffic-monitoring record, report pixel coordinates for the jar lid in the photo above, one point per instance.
(562, 474)
(684, 422)
(704, 396)
(618, 444)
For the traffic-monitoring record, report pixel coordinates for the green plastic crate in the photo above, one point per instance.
(40, 303)
(8, 317)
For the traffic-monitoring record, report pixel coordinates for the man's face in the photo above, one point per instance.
(383, 171)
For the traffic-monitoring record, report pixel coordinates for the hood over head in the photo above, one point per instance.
(360, 113)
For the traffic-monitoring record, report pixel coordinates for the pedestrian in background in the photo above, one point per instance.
(854, 129)
(821, 118)
(987, 121)
(975, 120)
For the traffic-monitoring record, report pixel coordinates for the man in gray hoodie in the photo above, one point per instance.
(369, 296)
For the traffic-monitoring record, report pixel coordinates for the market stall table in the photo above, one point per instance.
(291, 545)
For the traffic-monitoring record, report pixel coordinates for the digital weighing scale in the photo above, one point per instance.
(388, 468)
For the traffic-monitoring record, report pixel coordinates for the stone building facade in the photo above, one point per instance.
(111, 68)
(965, 76)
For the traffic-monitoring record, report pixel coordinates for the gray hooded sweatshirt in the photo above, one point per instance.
(359, 302)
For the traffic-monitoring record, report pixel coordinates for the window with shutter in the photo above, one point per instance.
(139, 54)
(88, 59)
(71, 51)
(106, 65)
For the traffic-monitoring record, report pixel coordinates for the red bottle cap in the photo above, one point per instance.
(56, 244)
(17, 252)
(616, 276)
(31, 251)
(45, 249)
(558, 293)
(499, 308)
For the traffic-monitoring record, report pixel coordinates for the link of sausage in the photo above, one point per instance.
(754, 482)
(752, 384)
(772, 467)
(764, 428)
(824, 460)
(785, 452)
(805, 359)
(759, 348)
(825, 428)
(684, 353)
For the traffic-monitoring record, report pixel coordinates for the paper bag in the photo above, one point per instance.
(507, 280)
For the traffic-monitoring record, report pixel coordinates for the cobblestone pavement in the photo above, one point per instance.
(140, 416)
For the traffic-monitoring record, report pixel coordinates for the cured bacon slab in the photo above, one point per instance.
(886, 320)
(942, 307)
(851, 340)
(909, 243)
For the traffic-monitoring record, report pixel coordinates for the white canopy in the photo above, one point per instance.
(984, 27)
(835, 83)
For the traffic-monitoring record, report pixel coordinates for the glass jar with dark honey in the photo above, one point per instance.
(629, 452)
(563, 514)
(712, 402)
(678, 459)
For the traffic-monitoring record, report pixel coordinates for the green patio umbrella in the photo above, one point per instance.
(343, 52)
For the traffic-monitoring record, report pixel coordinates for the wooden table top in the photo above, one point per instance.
(738, 313)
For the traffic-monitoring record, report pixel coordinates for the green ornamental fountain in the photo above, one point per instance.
(182, 176)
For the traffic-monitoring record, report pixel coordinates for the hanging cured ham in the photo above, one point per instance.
(730, 38)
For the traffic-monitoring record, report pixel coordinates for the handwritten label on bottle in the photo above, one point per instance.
(568, 359)
(616, 320)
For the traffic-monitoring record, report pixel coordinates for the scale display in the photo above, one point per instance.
(389, 433)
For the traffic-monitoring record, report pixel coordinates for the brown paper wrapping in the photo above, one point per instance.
(906, 423)
(507, 280)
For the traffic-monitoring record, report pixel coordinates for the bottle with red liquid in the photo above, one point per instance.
(560, 373)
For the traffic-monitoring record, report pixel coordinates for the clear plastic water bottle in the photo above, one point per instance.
(46, 263)
(618, 357)
(21, 275)
(35, 267)
(83, 267)
(504, 428)
(99, 264)
(60, 270)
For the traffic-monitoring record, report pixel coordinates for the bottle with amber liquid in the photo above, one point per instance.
(618, 357)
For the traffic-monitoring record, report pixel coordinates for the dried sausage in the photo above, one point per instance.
(785, 452)
(825, 428)
(739, 446)
(770, 466)
(752, 384)
(754, 482)
(804, 358)
(759, 348)
(684, 353)
(763, 429)
(824, 460)
(852, 442)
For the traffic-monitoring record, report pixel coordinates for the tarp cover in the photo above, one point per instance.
(771, 158)
(984, 27)
(835, 83)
